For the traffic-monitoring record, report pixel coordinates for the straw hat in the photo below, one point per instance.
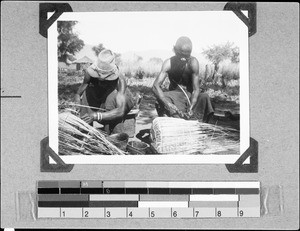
(104, 67)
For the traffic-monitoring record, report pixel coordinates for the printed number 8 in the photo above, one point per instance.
(219, 213)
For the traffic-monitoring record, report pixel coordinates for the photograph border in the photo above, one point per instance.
(145, 159)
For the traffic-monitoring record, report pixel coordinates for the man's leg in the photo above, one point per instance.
(204, 108)
(177, 98)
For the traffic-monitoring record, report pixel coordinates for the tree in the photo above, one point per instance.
(68, 42)
(235, 58)
(156, 60)
(218, 53)
(97, 49)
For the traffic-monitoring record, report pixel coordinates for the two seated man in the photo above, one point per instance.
(108, 100)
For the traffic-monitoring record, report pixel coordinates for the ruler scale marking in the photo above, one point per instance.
(158, 199)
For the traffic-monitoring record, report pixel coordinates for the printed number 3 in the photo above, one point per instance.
(108, 214)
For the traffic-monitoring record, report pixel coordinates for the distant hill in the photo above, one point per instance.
(146, 55)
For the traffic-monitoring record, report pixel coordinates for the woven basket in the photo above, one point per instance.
(185, 137)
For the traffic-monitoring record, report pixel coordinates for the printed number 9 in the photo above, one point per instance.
(241, 213)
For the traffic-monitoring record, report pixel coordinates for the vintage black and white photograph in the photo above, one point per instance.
(148, 87)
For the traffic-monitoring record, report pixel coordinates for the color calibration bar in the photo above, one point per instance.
(155, 199)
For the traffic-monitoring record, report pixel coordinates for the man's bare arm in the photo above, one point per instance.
(196, 83)
(118, 112)
(159, 81)
(82, 88)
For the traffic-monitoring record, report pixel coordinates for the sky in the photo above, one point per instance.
(140, 31)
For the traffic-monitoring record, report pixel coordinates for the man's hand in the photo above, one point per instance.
(77, 101)
(88, 117)
(171, 108)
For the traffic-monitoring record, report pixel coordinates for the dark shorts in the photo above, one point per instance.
(202, 109)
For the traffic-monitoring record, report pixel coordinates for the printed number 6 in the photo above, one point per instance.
(152, 214)
(175, 214)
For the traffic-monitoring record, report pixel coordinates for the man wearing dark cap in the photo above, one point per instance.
(104, 94)
(183, 100)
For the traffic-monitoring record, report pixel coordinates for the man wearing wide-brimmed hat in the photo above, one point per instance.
(184, 99)
(103, 87)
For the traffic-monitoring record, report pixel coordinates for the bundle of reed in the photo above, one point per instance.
(76, 137)
(179, 136)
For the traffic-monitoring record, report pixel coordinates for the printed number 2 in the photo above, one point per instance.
(86, 213)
